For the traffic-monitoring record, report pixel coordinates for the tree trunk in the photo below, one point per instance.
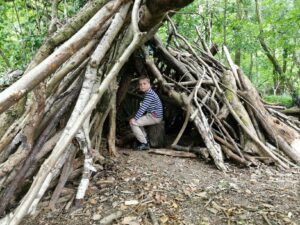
(278, 71)
(225, 23)
(239, 15)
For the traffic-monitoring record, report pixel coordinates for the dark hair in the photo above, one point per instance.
(144, 78)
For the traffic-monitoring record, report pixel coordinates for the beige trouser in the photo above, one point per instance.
(138, 127)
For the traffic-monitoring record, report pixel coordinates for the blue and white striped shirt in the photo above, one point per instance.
(151, 104)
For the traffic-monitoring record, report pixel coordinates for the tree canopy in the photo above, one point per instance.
(235, 24)
(23, 27)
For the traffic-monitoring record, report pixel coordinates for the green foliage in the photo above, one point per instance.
(23, 28)
(283, 100)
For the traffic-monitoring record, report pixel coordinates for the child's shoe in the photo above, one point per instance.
(143, 147)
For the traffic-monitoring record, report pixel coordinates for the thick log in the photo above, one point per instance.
(157, 135)
(171, 60)
(235, 157)
(287, 139)
(197, 150)
(231, 94)
(66, 171)
(292, 112)
(8, 117)
(73, 63)
(155, 10)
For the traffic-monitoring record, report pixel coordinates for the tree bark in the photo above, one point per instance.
(231, 95)
(154, 11)
(285, 137)
(239, 15)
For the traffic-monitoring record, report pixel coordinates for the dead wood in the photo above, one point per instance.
(110, 218)
(292, 112)
(10, 190)
(283, 136)
(153, 217)
(157, 135)
(66, 171)
(74, 78)
(170, 152)
(197, 150)
(231, 94)
(112, 121)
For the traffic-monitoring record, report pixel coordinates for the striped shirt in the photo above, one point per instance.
(151, 104)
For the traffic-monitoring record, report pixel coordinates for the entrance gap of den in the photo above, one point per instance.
(161, 135)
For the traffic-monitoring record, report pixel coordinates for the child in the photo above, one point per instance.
(152, 106)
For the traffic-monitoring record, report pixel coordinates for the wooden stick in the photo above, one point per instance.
(67, 169)
(110, 218)
(170, 152)
(112, 120)
(152, 217)
(232, 155)
(186, 120)
(232, 66)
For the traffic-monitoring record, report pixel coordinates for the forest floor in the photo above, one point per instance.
(182, 191)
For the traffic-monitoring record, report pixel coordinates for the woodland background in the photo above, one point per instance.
(267, 50)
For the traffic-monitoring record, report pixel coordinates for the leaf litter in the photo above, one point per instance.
(141, 188)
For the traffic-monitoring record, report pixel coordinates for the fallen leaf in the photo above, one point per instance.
(212, 210)
(217, 207)
(131, 202)
(287, 220)
(164, 219)
(93, 201)
(130, 220)
(175, 205)
(234, 186)
(202, 194)
(115, 204)
(267, 205)
(96, 217)
(248, 191)
(158, 198)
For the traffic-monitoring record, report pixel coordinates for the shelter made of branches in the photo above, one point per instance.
(53, 117)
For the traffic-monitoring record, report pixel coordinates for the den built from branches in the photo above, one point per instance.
(83, 73)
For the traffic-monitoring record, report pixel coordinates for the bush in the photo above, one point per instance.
(284, 100)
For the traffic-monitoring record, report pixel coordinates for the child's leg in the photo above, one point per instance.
(144, 132)
(138, 128)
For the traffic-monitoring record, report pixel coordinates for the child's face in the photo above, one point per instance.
(144, 85)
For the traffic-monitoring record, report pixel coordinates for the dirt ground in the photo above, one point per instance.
(182, 191)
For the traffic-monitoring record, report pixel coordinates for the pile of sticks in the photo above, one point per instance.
(223, 104)
(53, 116)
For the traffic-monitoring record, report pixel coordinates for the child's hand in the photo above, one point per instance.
(132, 121)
